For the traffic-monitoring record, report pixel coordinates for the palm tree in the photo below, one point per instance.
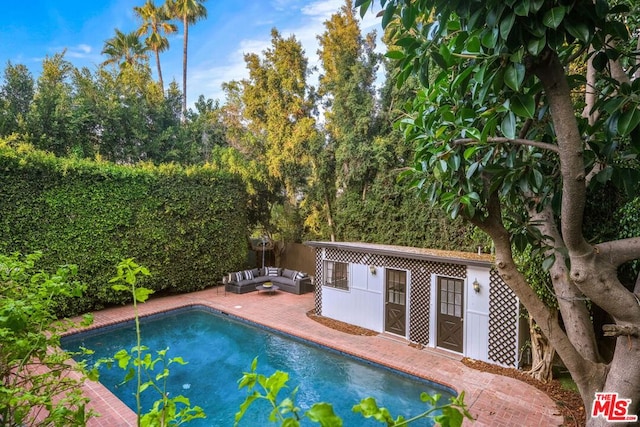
(188, 11)
(155, 24)
(124, 50)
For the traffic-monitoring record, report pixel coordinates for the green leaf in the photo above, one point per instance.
(514, 76)
(473, 45)
(536, 5)
(579, 30)
(508, 126)
(120, 288)
(439, 60)
(523, 105)
(600, 61)
(506, 24)
(538, 178)
(363, 3)
(408, 17)
(548, 262)
(522, 8)
(628, 121)
(388, 15)
(142, 294)
(536, 45)
(617, 29)
(553, 18)
(490, 38)
(395, 54)
(323, 413)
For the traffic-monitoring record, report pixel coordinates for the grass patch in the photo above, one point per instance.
(566, 381)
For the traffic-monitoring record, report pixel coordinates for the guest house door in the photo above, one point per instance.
(450, 334)
(396, 302)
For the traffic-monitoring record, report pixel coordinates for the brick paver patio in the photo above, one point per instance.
(493, 400)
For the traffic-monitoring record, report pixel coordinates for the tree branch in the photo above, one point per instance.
(571, 151)
(492, 224)
(516, 141)
(621, 330)
(618, 252)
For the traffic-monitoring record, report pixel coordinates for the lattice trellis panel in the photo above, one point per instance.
(420, 272)
(503, 322)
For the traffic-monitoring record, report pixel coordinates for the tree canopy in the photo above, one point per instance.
(501, 141)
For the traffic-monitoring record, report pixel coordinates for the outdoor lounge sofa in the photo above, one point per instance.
(295, 282)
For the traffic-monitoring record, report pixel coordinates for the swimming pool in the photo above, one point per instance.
(220, 348)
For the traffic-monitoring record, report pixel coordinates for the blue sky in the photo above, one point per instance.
(35, 29)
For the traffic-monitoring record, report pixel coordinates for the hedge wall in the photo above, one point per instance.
(188, 226)
(392, 213)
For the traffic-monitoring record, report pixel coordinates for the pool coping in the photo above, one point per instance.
(492, 399)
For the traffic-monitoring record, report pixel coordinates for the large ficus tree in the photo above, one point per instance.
(501, 140)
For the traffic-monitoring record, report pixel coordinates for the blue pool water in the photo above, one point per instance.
(219, 349)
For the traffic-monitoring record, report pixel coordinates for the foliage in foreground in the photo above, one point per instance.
(140, 364)
(287, 414)
(37, 387)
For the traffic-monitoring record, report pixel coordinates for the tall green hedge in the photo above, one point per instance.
(392, 213)
(188, 226)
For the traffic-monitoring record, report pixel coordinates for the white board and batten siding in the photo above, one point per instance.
(477, 314)
(362, 304)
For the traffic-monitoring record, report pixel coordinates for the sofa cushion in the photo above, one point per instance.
(256, 272)
(288, 273)
(273, 271)
(285, 281)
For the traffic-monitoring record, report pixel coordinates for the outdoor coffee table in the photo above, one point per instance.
(271, 289)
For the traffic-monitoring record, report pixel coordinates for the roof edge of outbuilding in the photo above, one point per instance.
(436, 255)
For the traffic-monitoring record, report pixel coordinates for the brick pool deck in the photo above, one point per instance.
(493, 400)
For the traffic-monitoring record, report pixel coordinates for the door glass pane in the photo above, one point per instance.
(396, 286)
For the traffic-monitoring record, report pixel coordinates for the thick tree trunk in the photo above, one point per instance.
(571, 302)
(593, 268)
(542, 353)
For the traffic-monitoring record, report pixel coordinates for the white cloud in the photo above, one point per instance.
(84, 48)
(322, 9)
(81, 51)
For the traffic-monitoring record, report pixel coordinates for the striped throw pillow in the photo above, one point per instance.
(248, 274)
(272, 271)
(299, 275)
(239, 276)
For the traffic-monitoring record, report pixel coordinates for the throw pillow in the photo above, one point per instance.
(299, 275)
(248, 274)
(272, 271)
(239, 276)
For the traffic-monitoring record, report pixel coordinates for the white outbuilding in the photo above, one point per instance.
(454, 301)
